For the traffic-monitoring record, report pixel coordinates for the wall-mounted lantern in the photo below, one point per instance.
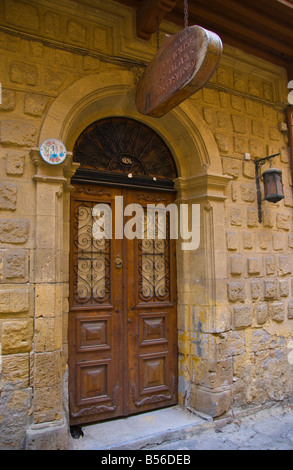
(272, 180)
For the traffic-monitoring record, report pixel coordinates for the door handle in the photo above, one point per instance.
(118, 262)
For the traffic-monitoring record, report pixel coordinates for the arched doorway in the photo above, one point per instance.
(122, 320)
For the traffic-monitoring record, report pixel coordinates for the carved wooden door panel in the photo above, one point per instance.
(122, 320)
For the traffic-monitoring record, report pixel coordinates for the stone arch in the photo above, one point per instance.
(200, 180)
(108, 94)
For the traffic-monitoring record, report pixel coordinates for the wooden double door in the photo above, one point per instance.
(122, 320)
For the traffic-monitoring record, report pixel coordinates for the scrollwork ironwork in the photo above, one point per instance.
(91, 259)
(123, 145)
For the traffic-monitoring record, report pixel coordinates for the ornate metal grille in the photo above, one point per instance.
(91, 259)
(154, 259)
(124, 146)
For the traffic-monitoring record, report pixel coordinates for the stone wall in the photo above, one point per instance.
(245, 108)
(235, 293)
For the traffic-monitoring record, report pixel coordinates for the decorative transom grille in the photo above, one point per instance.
(124, 146)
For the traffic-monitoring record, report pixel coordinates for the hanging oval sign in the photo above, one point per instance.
(53, 151)
(184, 63)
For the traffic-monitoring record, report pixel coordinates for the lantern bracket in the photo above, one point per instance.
(259, 162)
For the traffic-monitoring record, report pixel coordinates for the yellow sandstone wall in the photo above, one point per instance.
(235, 307)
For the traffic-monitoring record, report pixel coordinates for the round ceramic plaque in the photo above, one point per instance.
(53, 151)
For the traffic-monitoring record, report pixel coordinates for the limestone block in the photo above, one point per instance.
(236, 265)
(76, 32)
(17, 132)
(284, 288)
(224, 99)
(253, 108)
(239, 123)
(224, 76)
(54, 79)
(231, 167)
(256, 148)
(285, 265)
(45, 303)
(234, 191)
(277, 311)
(283, 221)
(16, 417)
(247, 192)
(270, 289)
(103, 41)
(263, 241)
(46, 334)
(15, 265)
(255, 289)
(14, 300)
(290, 240)
(53, 24)
(22, 14)
(15, 369)
(252, 217)
(255, 87)
(262, 313)
(8, 100)
(247, 240)
(209, 116)
(15, 162)
(48, 404)
(54, 436)
(257, 128)
(232, 240)
(274, 133)
(235, 343)
(239, 81)
(270, 265)
(242, 316)
(17, 336)
(237, 102)
(14, 231)
(9, 43)
(34, 104)
(64, 58)
(214, 373)
(236, 216)
(268, 218)
(223, 120)
(253, 266)
(48, 369)
(290, 310)
(236, 291)
(21, 72)
(210, 96)
(260, 340)
(240, 144)
(278, 241)
(8, 196)
(212, 402)
(222, 141)
(249, 169)
(268, 91)
(36, 49)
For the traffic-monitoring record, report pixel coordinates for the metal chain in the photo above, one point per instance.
(158, 34)
(185, 14)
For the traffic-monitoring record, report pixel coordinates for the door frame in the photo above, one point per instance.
(142, 403)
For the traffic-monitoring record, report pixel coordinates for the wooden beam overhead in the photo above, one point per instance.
(260, 27)
(150, 14)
